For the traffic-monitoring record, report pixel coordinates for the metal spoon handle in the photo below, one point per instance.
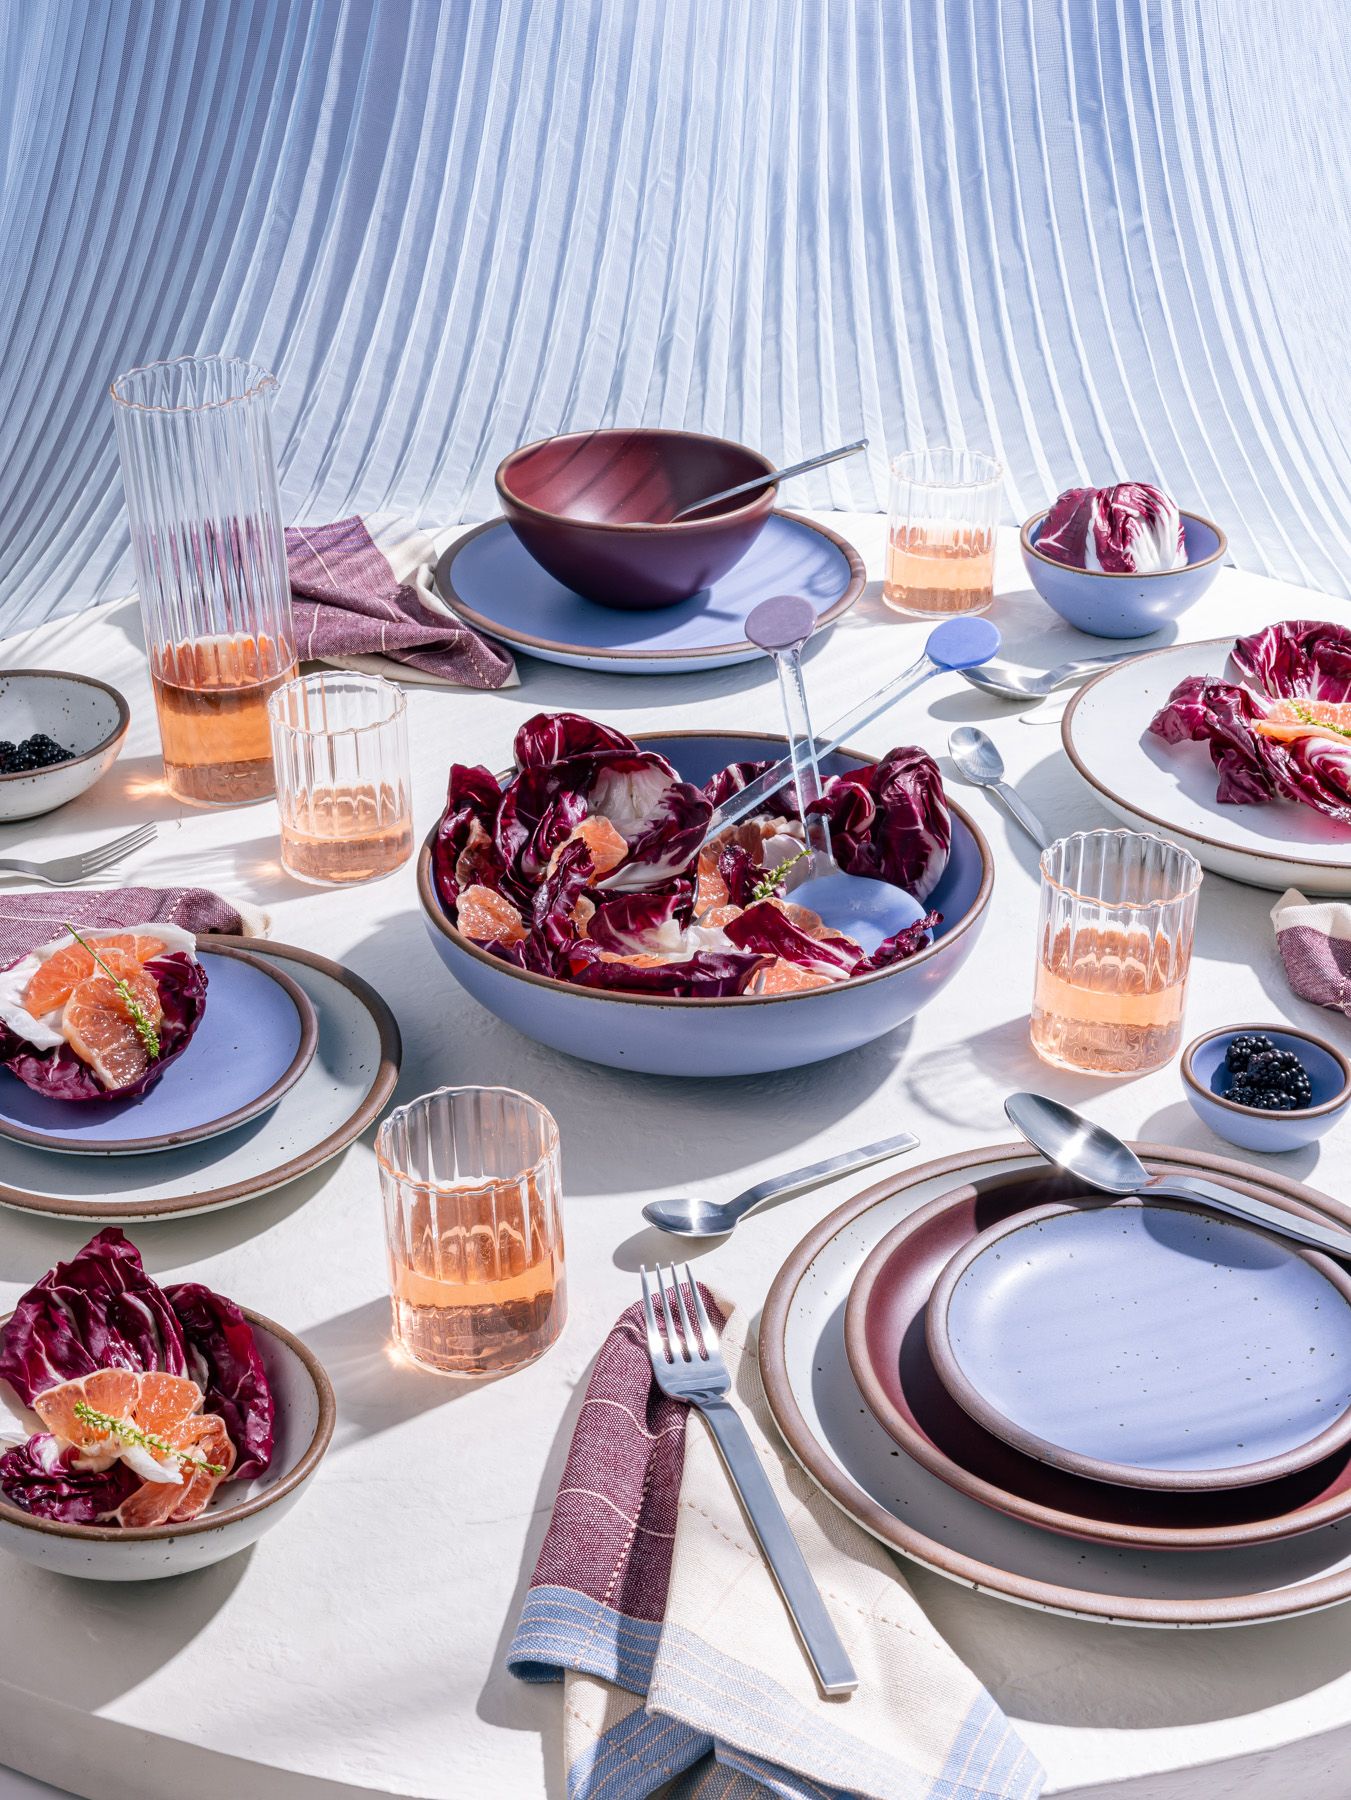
(1022, 814)
(772, 479)
(1085, 665)
(795, 1179)
(1253, 1212)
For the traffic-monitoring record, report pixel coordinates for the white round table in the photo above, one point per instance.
(357, 1650)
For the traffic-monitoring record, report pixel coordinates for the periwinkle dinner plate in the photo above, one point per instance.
(492, 582)
(1156, 786)
(340, 1093)
(1147, 1343)
(255, 1039)
(826, 1423)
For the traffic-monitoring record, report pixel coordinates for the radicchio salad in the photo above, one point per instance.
(1284, 733)
(149, 1398)
(585, 865)
(100, 1013)
(1132, 528)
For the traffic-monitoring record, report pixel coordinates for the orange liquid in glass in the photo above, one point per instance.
(1109, 1002)
(346, 833)
(211, 695)
(933, 576)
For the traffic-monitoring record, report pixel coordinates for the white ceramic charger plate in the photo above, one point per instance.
(821, 1413)
(1170, 788)
(343, 1090)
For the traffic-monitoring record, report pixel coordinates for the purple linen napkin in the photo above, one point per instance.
(348, 599)
(1314, 939)
(29, 919)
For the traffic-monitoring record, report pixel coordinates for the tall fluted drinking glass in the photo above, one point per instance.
(195, 442)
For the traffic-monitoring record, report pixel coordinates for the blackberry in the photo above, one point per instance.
(1274, 1081)
(1243, 1048)
(36, 752)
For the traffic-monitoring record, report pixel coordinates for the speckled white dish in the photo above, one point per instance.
(240, 1512)
(825, 1422)
(341, 1092)
(84, 716)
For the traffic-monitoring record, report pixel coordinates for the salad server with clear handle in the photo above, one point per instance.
(1100, 1160)
(689, 1367)
(708, 1218)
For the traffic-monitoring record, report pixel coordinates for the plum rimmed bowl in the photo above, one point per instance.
(594, 509)
(744, 1034)
(1125, 606)
(84, 716)
(1204, 1079)
(240, 1512)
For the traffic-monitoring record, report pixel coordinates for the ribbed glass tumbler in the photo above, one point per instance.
(195, 441)
(941, 532)
(1114, 948)
(340, 746)
(474, 1229)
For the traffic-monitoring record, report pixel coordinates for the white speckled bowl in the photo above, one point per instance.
(240, 1512)
(84, 716)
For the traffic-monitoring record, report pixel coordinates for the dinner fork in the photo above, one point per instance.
(69, 871)
(689, 1366)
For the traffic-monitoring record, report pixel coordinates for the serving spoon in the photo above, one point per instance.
(1100, 1160)
(710, 1218)
(770, 480)
(1011, 684)
(977, 756)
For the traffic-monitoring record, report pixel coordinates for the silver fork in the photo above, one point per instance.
(69, 871)
(689, 1366)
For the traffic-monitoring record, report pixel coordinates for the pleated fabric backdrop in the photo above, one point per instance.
(1103, 238)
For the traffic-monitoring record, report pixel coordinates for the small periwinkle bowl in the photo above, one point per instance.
(744, 1034)
(594, 508)
(1206, 1080)
(1125, 606)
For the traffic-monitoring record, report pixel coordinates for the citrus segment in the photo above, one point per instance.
(203, 1436)
(1289, 719)
(783, 977)
(99, 1027)
(710, 889)
(608, 847)
(488, 917)
(164, 1400)
(61, 974)
(111, 1391)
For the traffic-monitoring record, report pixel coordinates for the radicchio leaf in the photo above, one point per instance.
(1303, 659)
(58, 1073)
(472, 800)
(1132, 528)
(901, 944)
(766, 928)
(1221, 716)
(42, 1478)
(663, 820)
(643, 924)
(891, 821)
(707, 975)
(100, 1310)
(551, 738)
(223, 1360)
(539, 811)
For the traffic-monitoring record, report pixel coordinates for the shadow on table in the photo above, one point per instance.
(376, 1387)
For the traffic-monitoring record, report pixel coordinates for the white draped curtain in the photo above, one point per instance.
(1103, 238)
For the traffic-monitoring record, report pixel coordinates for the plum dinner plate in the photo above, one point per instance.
(342, 1091)
(493, 583)
(826, 1422)
(255, 1040)
(1171, 787)
(889, 1356)
(1148, 1344)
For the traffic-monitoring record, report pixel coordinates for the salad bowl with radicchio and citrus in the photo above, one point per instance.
(575, 897)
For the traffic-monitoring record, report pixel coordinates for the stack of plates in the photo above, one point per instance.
(1126, 1412)
(293, 1058)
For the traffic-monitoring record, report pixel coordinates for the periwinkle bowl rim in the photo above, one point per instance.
(1038, 518)
(1298, 1113)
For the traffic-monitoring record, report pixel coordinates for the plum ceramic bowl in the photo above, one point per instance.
(594, 509)
(84, 716)
(1125, 606)
(240, 1512)
(742, 1034)
(1205, 1079)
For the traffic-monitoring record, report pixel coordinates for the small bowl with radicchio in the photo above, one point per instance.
(147, 1430)
(573, 897)
(1120, 561)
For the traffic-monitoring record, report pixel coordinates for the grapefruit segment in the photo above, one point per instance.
(202, 1436)
(1289, 719)
(710, 889)
(783, 977)
(111, 1391)
(488, 917)
(55, 982)
(98, 1024)
(608, 847)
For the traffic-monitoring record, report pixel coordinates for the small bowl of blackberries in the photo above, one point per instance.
(1266, 1087)
(59, 733)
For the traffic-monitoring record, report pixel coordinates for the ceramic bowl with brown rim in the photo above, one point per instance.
(1206, 1081)
(84, 716)
(735, 1034)
(1113, 605)
(596, 510)
(240, 1511)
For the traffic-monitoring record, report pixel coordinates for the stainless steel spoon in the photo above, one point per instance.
(978, 758)
(1100, 1160)
(1012, 684)
(770, 480)
(708, 1218)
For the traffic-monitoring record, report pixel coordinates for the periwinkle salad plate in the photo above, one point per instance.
(1148, 1344)
(257, 1036)
(488, 579)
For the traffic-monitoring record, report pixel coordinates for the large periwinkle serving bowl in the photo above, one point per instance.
(594, 509)
(1125, 606)
(743, 1034)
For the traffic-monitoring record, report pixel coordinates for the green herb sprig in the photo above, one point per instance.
(771, 882)
(132, 1434)
(140, 1018)
(1305, 714)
